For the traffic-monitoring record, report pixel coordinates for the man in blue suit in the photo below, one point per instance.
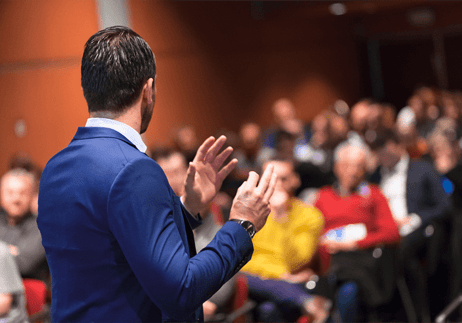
(418, 204)
(118, 240)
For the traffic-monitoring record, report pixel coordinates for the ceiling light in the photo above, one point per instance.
(337, 9)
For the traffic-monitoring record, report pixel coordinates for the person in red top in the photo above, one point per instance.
(358, 223)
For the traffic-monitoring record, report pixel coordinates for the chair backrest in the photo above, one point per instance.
(217, 214)
(239, 305)
(36, 294)
(240, 294)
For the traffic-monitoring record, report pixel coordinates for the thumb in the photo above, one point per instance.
(190, 175)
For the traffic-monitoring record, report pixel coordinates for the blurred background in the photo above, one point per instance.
(221, 64)
(282, 79)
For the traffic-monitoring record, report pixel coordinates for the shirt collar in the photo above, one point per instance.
(403, 163)
(122, 128)
(400, 167)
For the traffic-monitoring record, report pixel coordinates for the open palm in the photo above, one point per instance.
(206, 174)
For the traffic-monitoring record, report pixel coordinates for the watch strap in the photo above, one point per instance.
(247, 225)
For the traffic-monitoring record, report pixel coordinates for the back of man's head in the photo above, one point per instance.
(116, 64)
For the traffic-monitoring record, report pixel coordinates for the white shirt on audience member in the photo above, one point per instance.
(394, 187)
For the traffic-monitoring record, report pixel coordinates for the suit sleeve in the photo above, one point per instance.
(140, 215)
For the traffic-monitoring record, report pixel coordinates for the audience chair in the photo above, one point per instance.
(442, 317)
(36, 296)
(429, 265)
(239, 307)
(217, 213)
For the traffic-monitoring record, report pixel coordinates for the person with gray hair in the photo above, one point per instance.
(18, 227)
(357, 222)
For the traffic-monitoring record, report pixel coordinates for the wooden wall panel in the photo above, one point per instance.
(219, 67)
(52, 106)
(45, 29)
(42, 43)
(219, 64)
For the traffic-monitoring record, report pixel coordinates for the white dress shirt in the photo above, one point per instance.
(125, 130)
(393, 184)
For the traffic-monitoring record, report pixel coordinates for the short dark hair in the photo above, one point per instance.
(116, 63)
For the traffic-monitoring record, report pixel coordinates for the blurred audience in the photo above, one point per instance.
(284, 115)
(174, 165)
(24, 161)
(283, 249)
(18, 227)
(12, 297)
(357, 221)
(185, 141)
(417, 199)
(248, 151)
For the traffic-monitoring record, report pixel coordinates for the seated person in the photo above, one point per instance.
(18, 227)
(418, 202)
(175, 168)
(357, 219)
(281, 249)
(12, 300)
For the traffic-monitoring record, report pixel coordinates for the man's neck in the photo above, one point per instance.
(130, 117)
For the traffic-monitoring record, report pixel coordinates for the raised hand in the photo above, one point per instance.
(251, 202)
(206, 174)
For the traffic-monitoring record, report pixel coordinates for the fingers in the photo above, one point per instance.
(252, 180)
(271, 187)
(240, 188)
(226, 170)
(214, 149)
(203, 149)
(221, 158)
(267, 183)
(190, 175)
(265, 179)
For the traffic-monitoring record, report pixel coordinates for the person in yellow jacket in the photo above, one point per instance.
(277, 272)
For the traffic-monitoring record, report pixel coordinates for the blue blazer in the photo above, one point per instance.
(119, 242)
(425, 193)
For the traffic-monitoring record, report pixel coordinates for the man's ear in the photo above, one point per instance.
(148, 91)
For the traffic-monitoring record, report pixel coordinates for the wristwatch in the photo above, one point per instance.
(247, 225)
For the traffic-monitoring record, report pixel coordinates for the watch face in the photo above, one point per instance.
(249, 227)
